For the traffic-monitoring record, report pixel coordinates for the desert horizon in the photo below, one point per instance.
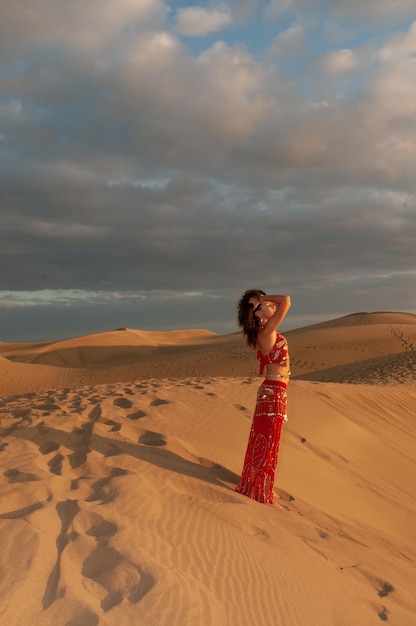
(120, 452)
(378, 347)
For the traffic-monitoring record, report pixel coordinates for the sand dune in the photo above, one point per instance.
(361, 348)
(365, 319)
(119, 456)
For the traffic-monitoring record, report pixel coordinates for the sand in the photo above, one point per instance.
(119, 456)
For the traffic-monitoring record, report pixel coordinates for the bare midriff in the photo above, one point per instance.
(273, 371)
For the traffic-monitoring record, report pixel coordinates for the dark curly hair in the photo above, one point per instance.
(246, 318)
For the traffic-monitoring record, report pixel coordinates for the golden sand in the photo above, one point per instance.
(119, 456)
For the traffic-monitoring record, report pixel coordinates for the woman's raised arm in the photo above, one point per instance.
(283, 305)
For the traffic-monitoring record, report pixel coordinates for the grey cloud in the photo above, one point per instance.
(177, 237)
(197, 21)
(215, 310)
(223, 104)
(157, 311)
(140, 167)
(28, 28)
(155, 100)
(373, 9)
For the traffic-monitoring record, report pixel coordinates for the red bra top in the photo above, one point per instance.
(279, 354)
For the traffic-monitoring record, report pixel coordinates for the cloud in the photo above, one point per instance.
(61, 315)
(401, 45)
(132, 163)
(375, 9)
(197, 21)
(291, 41)
(87, 26)
(340, 62)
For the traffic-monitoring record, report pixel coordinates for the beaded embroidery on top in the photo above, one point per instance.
(278, 355)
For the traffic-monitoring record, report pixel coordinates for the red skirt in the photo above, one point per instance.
(257, 478)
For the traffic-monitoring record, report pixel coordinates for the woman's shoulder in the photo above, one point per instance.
(266, 341)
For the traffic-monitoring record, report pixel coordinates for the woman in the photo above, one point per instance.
(260, 316)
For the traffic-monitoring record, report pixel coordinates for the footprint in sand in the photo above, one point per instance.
(16, 476)
(136, 416)
(386, 588)
(82, 439)
(77, 458)
(284, 495)
(102, 489)
(21, 413)
(94, 399)
(95, 413)
(67, 510)
(159, 402)
(46, 446)
(383, 614)
(55, 464)
(101, 565)
(115, 574)
(47, 408)
(80, 447)
(141, 386)
(123, 403)
(115, 426)
(150, 438)
(102, 529)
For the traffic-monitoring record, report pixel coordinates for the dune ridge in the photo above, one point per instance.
(381, 348)
(119, 455)
(363, 318)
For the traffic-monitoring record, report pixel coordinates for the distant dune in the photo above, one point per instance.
(358, 319)
(360, 348)
(120, 452)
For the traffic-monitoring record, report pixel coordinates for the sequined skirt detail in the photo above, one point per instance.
(257, 478)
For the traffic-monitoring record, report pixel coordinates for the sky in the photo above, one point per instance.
(159, 158)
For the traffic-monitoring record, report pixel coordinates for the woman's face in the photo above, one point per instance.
(262, 310)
